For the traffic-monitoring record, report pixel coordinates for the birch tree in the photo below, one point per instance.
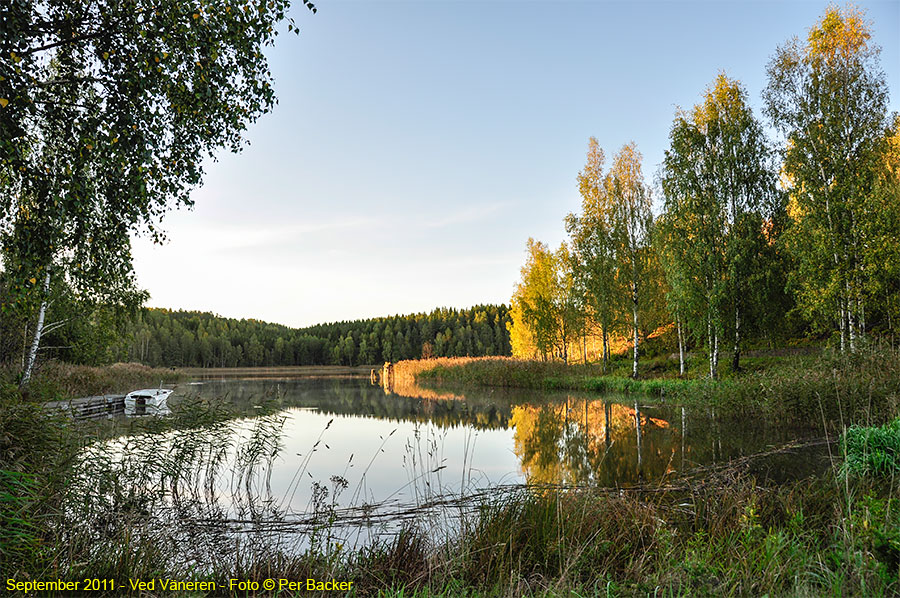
(720, 196)
(546, 309)
(828, 96)
(632, 219)
(107, 111)
(568, 299)
(671, 253)
(533, 301)
(592, 244)
(882, 251)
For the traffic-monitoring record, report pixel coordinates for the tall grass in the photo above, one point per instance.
(730, 537)
(56, 380)
(36, 452)
(722, 535)
(152, 511)
(839, 389)
(488, 371)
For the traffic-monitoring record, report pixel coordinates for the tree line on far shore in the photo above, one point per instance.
(176, 338)
(161, 337)
(755, 239)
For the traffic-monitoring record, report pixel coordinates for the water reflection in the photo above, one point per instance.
(555, 438)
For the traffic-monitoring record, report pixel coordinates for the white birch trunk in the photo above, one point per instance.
(634, 309)
(842, 314)
(861, 309)
(851, 319)
(38, 330)
(716, 351)
(680, 349)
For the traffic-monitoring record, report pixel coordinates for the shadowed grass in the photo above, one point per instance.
(55, 380)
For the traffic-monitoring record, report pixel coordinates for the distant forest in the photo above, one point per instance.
(162, 337)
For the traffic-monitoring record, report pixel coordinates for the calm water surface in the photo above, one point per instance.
(342, 457)
(394, 448)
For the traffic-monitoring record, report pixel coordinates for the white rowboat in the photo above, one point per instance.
(148, 401)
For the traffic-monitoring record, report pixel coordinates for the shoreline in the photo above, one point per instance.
(276, 371)
(826, 387)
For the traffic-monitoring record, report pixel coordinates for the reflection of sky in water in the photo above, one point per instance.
(389, 466)
(405, 450)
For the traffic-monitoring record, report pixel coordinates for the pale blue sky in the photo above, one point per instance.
(417, 145)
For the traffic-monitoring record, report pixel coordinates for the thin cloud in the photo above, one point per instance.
(465, 216)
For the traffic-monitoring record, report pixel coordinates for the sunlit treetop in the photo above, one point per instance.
(723, 101)
(590, 179)
(892, 150)
(841, 34)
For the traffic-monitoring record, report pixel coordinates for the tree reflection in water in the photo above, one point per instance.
(581, 441)
(558, 438)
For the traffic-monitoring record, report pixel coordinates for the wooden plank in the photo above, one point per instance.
(89, 407)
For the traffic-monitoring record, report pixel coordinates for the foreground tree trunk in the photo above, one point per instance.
(713, 350)
(605, 348)
(634, 309)
(38, 330)
(736, 358)
(842, 317)
(716, 352)
(680, 349)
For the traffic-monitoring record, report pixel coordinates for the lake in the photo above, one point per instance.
(341, 450)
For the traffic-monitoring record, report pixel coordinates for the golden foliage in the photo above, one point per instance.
(839, 36)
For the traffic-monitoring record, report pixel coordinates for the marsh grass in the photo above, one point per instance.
(728, 537)
(55, 380)
(719, 534)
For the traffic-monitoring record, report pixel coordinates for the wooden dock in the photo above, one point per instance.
(89, 407)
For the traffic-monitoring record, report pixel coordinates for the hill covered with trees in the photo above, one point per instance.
(162, 337)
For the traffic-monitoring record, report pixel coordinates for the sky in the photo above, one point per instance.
(417, 145)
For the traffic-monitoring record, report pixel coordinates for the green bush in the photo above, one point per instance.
(872, 451)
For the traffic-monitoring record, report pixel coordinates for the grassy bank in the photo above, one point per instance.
(56, 380)
(728, 537)
(863, 388)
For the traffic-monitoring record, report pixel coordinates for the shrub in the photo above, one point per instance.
(872, 451)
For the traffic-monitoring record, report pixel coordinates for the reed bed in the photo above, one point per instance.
(55, 380)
